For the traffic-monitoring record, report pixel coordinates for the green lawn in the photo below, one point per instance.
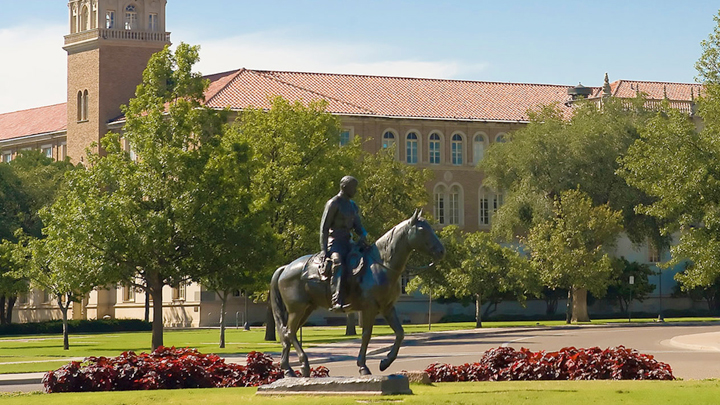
(506, 393)
(239, 342)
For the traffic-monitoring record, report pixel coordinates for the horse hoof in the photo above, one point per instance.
(384, 364)
(365, 371)
(290, 374)
(305, 372)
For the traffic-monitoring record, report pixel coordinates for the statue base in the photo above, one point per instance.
(393, 384)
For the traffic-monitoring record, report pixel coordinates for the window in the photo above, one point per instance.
(131, 18)
(457, 149)
(500, 138)
(440, 204)
(153, 22)
(388, 140)
(80, 106)
(128, 293)
(653, 253)
(7, 157)
(434, 149)
(94, 15)
(85, 19)
(73, 20)
(110, 19)
(46, 299)
(22, 299)
(179, 292)
(85, 105)
(489, 204)
(344, 137)
(404, 280)
(454, 205)
(47, 150)
(411, 154)
(478, 148)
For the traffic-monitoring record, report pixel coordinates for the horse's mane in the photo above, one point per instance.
(385, 244)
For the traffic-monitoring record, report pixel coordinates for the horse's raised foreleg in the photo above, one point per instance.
(295, 321)
(368, 319)
(392, 319)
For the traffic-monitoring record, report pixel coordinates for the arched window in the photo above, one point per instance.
(80, 106)
(86, 106)
(489, 203)
(73, 19)
(434, 149)
(439, 206)
(478, 148)
(85, 19)
(388, 140)
(94, 15)
(500, 137)
(411, 143)
(131, 18)
(457, 149)
(454, 205)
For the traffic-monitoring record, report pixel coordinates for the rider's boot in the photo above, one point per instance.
(337, 287)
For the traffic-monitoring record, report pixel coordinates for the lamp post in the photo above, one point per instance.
(246, 326)
(631, 281)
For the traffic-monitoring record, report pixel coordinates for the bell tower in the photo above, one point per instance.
(109, 45)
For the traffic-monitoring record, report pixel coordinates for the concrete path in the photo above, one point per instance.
(693, 351)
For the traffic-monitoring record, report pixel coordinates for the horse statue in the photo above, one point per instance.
(297, 289)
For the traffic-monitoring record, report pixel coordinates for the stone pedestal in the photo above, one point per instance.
(367, 385)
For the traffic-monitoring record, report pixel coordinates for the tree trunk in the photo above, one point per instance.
(350, 326)
(478, 311)
(155, 287)
(568, 307)
(579, 308)
(223, 301)
(64, 310)
(147, 304)
(269, 324)
(10, 305)
(3, 321)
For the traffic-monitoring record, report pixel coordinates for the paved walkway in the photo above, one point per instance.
(457, 347)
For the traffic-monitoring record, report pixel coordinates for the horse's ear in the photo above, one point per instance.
(420, 213)
(414, 218)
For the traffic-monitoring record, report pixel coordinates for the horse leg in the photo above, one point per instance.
(285, 357)
(295, 321)
(368, 318)
(392, 319)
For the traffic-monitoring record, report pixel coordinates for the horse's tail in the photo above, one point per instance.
(279, 310)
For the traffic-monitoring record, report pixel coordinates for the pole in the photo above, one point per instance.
(660, 316)
(430, 310)
(631, 282)
(246, 326)
(237, 322)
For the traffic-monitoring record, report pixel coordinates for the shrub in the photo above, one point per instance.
(507, 364)
(165, 368)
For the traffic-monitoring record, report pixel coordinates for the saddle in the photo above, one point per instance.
(315, 269)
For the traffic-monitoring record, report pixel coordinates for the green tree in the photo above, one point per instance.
(477, 267)
(237, 249)
(29, 183)
(570, 250)
(621, 291)
(137, 217)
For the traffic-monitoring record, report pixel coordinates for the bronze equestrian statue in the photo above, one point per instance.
(299, 288)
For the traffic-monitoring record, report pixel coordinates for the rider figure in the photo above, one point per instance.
(341, 216)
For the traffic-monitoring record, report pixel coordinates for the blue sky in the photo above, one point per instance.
(557, 42)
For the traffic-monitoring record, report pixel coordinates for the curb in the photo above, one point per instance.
(22, 379)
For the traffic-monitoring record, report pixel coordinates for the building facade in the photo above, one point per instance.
(442, 125)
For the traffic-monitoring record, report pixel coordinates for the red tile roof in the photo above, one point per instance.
(387, 96)
(35, 121)
(653, 90)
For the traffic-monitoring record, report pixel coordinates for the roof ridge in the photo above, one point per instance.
(277, 79)
(659, 82)
(33, 108)
(234, 76)
(416, 78)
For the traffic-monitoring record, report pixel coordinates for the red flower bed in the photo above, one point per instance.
(165, 368)
(507, 364)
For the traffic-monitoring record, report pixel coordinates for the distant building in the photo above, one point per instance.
(442, 125)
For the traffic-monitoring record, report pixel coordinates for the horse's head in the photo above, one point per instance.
(422, 237)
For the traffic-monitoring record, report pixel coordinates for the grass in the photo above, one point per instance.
(48, 348)
(507, 393)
